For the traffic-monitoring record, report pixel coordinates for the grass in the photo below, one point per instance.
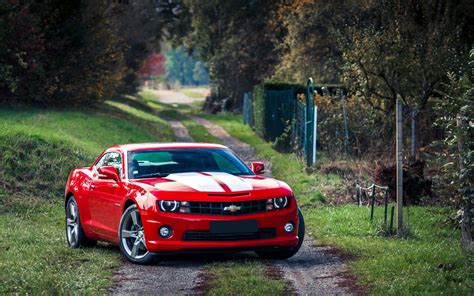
(242, 278)
(38, 147)
(429, 261)
(36, 260)
(198, 132)
(196, 93)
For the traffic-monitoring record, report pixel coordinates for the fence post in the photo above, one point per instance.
(399, 148)
(310, 128)
(386, 207)
(372, 203)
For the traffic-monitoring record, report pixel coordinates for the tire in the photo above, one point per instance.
(283, 254)
(74, 233)
(132, 238)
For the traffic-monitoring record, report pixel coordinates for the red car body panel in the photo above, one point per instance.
(101, 203)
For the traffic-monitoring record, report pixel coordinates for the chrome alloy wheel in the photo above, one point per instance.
(133, 237)
(72, 223)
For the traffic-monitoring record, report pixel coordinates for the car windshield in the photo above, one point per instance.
(160, 163)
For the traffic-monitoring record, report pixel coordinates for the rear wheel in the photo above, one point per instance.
(282, 254)
(132, 237)
(74, 232)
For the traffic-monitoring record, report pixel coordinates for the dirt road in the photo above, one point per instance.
(315, 270)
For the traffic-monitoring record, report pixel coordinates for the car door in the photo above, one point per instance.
(106, 197)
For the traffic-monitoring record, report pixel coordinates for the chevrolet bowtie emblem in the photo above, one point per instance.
(232, 208)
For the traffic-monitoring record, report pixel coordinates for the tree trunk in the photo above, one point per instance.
(413, 144)
(465, 181)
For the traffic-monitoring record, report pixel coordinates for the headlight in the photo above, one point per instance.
(277, 203)
(280, 202)
(169, 205)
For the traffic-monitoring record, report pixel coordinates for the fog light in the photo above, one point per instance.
(165, 231)
(289, 227)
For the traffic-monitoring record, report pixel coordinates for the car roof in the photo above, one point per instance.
(149, 146)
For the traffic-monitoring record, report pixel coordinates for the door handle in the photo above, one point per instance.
(92, 186)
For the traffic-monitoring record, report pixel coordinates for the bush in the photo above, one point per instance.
(415, 185)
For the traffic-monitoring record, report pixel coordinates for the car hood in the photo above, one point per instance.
(215, 182)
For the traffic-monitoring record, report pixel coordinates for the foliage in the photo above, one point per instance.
(184, 68)
(415, 185)
(455, 113)
(380, 50)
(154, 66)
(390, 51)
(73, 52)
(309, 47)
(235, 39)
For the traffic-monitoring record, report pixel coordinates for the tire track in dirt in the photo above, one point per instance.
(180, 132)
(314, 270)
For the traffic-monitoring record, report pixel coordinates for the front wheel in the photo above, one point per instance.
(132, 237)
(290, 252)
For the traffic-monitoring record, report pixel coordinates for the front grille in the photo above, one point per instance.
(206, 236)
(217, 208)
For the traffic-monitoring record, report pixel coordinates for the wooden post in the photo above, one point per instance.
(399, 148)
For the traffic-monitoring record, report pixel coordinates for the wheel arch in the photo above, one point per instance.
(127, 204)
(68, 196)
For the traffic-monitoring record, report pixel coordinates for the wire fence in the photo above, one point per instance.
(286, 114)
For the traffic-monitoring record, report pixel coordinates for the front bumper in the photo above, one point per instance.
(180, 223)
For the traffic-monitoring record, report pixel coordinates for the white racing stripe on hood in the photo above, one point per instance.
(196, 181)
(233, 182)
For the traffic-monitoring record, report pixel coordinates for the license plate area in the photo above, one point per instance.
(242, 226)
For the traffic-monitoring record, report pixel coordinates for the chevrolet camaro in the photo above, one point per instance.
(162, 198)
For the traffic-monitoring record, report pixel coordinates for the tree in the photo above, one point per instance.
(235, 39)
(310, 49)
(400, 48)
(72, 52)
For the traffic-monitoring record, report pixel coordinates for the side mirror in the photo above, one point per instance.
(257, 167)
(108, 172)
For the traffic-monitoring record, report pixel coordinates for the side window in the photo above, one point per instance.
(111, 159)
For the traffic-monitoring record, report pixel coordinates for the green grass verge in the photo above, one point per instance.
(38, 148)
(242, 278)
(427, 262)
(198, 132)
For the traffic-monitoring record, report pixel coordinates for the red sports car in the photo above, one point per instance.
(180, 197)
